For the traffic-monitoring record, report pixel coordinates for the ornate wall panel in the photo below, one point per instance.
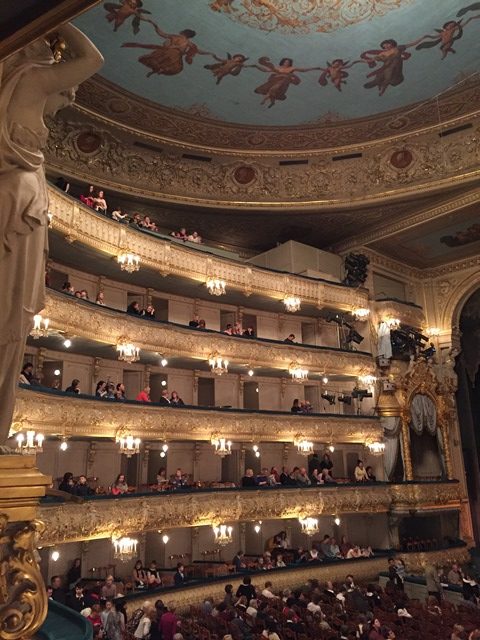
(96, 418)
(70, 522)
(118, 163)
(97, 323)
(78, 223)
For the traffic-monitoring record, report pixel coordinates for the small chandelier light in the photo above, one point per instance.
(223, 534)
(361, 314)
(393, 323)
(63, 444)
(297, 372)
(125, 549)
(292, 303)
(129, 261)
(376, 448)
(256, 450)
(433, 332)
(367, 380)
(304, 446)
(128, 352)
(165, 538)
(309, 526)
(218, 365)
(258, 527)
(40, 327)
(129, 445)
(331, 448)
(164, 450)
(223, 447)
(30, 443)
(337, 521)
(216, 286)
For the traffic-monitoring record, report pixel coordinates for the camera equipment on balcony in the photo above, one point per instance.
(348, 334)
(345, 399)
(388, 386)
(407, 341)
(429, 352)
(360, 394)
(329, 397)
(354, 336)
(356, 269)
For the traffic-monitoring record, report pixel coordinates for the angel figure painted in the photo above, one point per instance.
(281, 77)
(118, 13)
(31, 86)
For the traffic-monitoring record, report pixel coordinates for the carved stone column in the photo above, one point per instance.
(23, 598)
(241, 386)
(196, 460)
(195, 543)
(393, 534)
(242, 530)
(149, 296)
(285, 453)
(40, 363)
(446, 449)
(146, 375)
(97, 363)
(195, 387)
(407, 454)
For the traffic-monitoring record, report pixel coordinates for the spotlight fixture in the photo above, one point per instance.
(356, 269)
(223, 534)
(309, 526)
(292, 303)
(216, 286)
(40, 327)
(164, 450)
(129, 261)
(329, 397)
(354, 336)
(360, 394)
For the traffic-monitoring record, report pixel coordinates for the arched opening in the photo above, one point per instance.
(468, 400)
(425, 439)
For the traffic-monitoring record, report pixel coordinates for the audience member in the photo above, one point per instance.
(194, 237)
(144, 395)
(119, 216)
(74, 387)
(26, 374)
(164, 399)
(120, 392)
(82, 488)
(246, 589)
(296, 408)
(149, 312)
(99, 203)
(120, 486)
(133, 308)
(74, 574)
(100, 299)
(179, 576)
(180, 235)
(58, 592)
(169, 622)
(76, 599)
(115, 623)
(89, 197)
(67, 484)
(249, 332)
(68, 288)
(371, 477)
(290, 339)
(139, 575)
(195, 321)
(142, 630)
(175, 400)
(455, 575)
(360, 472)
(154, 579)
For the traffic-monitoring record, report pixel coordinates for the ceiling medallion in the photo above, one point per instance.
(303, 16)
(244, 175)
(401, 158)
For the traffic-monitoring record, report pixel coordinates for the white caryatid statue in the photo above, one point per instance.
(32, 85)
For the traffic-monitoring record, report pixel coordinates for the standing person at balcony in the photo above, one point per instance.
(290, 339)
(175, 400)
(120, 486)
(133, 308)
(100, 204)
(120, 392)
(313, 463)
(164, 399)
(101, 389)
(434, 586)
(89, 198)
(74, 574)
(179, 576)
(296, 408)
(360, 472)
(144, 395)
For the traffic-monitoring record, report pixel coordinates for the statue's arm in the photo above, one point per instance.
(87, 61)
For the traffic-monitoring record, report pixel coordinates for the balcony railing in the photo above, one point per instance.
(88, 320)
(46, 411)
(79, 223)
(100, 517)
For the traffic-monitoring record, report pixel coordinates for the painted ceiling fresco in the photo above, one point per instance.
(286, 62)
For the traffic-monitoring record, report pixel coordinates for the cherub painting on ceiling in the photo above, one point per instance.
(118, 13)
(167, 58)
(472, 234)
(281, 77)
(336, 73)
(229, 66)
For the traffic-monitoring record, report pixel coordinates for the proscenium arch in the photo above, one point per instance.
(457, 300)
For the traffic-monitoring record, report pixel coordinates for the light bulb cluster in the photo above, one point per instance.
(216, 286)
(163, 451)
(128, 261)
(292, 303)
(40, 327)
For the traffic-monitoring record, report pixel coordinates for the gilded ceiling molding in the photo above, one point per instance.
(57, 415)
(71, 522)
(364, 571)
(79, 223)
(383, 173)
(99, 324)
(118, 106)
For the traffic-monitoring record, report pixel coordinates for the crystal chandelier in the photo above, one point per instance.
(361, 314)
(30, 442)
(223, 447)
(367, 380)
(393, 323)
(304, 447)
(128, 352)
(376, 448)
(309, 526)
(216, 286)
(129, 445)
(297, 372)
(128, 261)
(292, 303)
(218, 364)
(40, 327)
(125, 549)
(223, 534)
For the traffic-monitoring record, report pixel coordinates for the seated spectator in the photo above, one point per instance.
(179, 576)
(144, 395)
(248, 480)
(82, 488)
(296, 408)
(139, 575)
(194, 237)
(26, 374)
(179, 480)
(89, 198)
(267, 592)
(326, 547)
(202, 324)
(249, 332)
(120, 486)
(334, 548)
(306, 407)
(237, 329)
(274, 477)
(228, 599)
(120, 392)
(195, 321)
(137, 219)
(100, 299)
(109, 589)
(326, 462)
(242, 603)
(162, 479)
(67, 484)
(345, 546)
(76, 599)
(149, 224)
(119, 216)
(164, 399)
(280, 561)
(100, 204)
(149, 312)
(316, 477)
(326, 478)
(301, 477)
(134, 308)
(229, 329)
(101, 389)
(153, 576)
(246, 589)
(290, 339)
(238, 562)
(371, 477)
(360, 472)
(262, 478)
(110, 389)
(68, 288)
(78, 294)
(455, 575)
(84, 294)
(74, 387)
(313, 606)
(180, 235)
(175, 400)
(286, 477)
(252, 608)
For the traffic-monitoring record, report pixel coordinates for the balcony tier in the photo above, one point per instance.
(88, 320)
(100, 517)
(167, 257)
(54, 413)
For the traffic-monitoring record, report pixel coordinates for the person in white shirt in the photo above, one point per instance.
(313, 606)
(360, 472)
(143, 628)
(280, 563)
(267, 592)
(118, 215)
(252, 608)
